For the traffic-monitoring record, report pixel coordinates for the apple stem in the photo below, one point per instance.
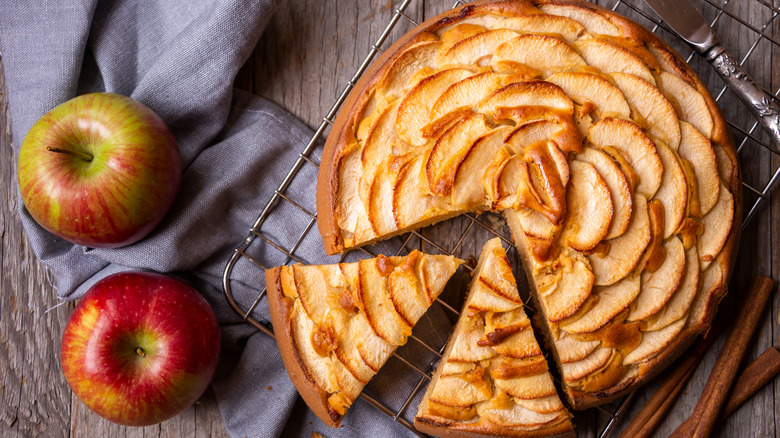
(83, 155)
(139, 351)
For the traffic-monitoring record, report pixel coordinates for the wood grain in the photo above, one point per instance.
(308, 52)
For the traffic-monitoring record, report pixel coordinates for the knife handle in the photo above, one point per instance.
(760, 104)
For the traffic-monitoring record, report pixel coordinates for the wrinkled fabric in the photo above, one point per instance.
(180, 59)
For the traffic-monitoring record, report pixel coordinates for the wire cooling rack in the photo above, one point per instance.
(755, 33)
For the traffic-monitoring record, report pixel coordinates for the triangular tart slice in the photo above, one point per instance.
(336, 325)
(493, 378)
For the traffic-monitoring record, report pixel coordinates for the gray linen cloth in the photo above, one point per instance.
(180, 59)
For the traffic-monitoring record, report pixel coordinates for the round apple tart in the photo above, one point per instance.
(608, 158)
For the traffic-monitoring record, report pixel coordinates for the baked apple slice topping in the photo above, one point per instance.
(336, 325)
(609, 57)
(607, 160)
(492, 370)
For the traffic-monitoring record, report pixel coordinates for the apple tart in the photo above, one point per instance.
(336, 325)
(608, 158)
(493, 378)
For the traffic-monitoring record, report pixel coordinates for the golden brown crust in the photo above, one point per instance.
(644, 45)
(280, 308)
(485, 429)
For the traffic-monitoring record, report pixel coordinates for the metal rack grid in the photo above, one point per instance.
(632, 8)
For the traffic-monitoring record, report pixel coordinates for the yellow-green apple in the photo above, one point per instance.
(100, 170)
(140, 347)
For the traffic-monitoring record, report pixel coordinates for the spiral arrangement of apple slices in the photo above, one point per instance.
(493, 377)
(336, 325)
(608, 158)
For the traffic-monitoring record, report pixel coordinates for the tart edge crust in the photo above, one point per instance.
(280, 308)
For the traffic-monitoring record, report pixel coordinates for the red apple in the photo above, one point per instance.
(140, 347)
(100, 170)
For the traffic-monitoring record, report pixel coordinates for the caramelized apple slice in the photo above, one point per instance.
(611, 58)
(301, 327)
(678, 305)
(354, 217)
(623, 252)
(651, 106)
(634, 146)
(374, 300)
(396, 79)
(717, 225)
(712, 279)
(464, 93)
(468, 190)
(372, 350)
(612, 300)
(588, 206)
(542, 405)
(434, 273)
(695, 148)
(618, 188)
(512, 415)
(595, 361)
(563, 290)
(727, 163)
(539, 232)
(415, 109)
(465, 343)
(586, 87)
(592, 20)
(472, 49)
(527, 388)
(659, 286)
(519, 345)
(450, 150)
(459, 32)
(690, 103)
(410, 286)
(527, 134)
(567, 28)
(380, 204)
(312, 292)
(412, 200)
(673, 191)
(653, 342)
(530, 93)
(570, 349)
(486, 299)
(458, 391)
(541, 52)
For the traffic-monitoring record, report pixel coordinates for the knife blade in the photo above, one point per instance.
(685, 20)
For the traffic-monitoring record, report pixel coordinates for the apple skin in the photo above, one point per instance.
(120, 194)
(140, 347)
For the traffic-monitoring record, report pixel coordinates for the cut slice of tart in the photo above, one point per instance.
(493, 378)
(336, 325)
(600, 146)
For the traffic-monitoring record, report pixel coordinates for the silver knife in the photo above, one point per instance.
(690, 25)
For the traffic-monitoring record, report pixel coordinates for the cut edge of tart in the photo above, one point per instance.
(493, 379)
(665, 175)
(336, 325)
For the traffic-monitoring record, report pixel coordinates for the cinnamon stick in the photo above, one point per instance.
(713, 397)
(760, 372)
(662, 401)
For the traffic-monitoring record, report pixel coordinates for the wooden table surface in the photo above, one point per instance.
(302, 62)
